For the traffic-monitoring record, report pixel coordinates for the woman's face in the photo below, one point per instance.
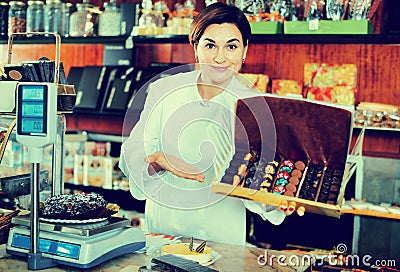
(220, 53)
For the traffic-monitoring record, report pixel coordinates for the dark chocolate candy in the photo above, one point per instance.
(336, 180)
(338, 172)
(334, 188)
(332, 196)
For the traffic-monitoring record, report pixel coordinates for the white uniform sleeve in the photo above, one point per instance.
(142, 141)
(267, 212)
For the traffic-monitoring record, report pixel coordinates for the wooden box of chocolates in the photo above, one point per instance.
(290, 149)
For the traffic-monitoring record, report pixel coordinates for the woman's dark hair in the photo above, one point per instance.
(219, 13)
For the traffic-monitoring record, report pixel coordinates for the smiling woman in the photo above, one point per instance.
(184, 138)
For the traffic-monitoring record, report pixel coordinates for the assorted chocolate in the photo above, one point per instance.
(316, 181)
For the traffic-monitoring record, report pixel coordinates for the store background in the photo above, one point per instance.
(377, 60)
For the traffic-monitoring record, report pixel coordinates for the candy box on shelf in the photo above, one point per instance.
(328, 27)
(329, 74)
(336, 94)
(290, 149)
(330, 82)
(286, 86)
(266, 27)
(257, 82)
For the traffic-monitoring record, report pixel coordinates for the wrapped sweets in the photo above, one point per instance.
(282, 178)
(263, 175)
(269, 174)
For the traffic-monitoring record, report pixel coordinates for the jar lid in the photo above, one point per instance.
(17, 3)
(35, 2)
(83, 5)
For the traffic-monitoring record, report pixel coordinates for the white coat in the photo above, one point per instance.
(177, 121)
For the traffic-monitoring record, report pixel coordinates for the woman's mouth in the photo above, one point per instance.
(219, 68)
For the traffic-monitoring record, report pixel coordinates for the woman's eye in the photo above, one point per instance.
(210, 46)
(232, 47)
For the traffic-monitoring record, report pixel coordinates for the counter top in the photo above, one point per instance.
(233, 258)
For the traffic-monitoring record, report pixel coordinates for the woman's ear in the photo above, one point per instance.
(245, 52)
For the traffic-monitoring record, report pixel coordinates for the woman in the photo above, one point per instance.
(184, 138)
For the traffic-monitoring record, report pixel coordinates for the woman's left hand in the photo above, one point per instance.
(290, 207)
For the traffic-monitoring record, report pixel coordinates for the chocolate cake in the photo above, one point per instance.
(80, 206)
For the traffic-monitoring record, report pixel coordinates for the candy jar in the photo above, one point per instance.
(67, 10)
(53, 16)
(17, 17)
(34, 16)
(110, 19)
(83, 22)
(147, 21)
(4, 8)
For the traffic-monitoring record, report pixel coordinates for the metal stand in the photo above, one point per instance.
(35, 259)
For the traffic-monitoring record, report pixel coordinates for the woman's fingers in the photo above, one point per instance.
(289, 207)
(183, 174)
(175, 165)
(283, 206)
(301, 210)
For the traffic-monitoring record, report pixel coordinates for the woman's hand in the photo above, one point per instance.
(290, 207)
(161, 161)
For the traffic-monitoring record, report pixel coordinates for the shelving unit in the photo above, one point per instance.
(371, 213)
(255, 39)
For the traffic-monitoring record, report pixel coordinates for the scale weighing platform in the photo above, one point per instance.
(78, 245)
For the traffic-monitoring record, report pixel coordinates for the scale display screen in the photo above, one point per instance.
(48, 246)
(32, 110)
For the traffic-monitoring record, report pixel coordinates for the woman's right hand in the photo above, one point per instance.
(161, 161)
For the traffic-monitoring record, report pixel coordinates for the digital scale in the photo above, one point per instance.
(48, 244)
(78, 245)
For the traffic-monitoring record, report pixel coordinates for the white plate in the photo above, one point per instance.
(69, 221)
(214, 256)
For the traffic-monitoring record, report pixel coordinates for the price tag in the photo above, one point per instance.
(313, 24)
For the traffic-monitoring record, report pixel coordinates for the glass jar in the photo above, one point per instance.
(34, 16)
(4, 8)
(53, 16)
(17, 17)
(110, 19)
(67, 10)
(83, 22)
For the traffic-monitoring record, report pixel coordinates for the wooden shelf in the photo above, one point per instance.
(371, 213)
(255, 39)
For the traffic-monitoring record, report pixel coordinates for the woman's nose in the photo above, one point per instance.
(219, 56)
